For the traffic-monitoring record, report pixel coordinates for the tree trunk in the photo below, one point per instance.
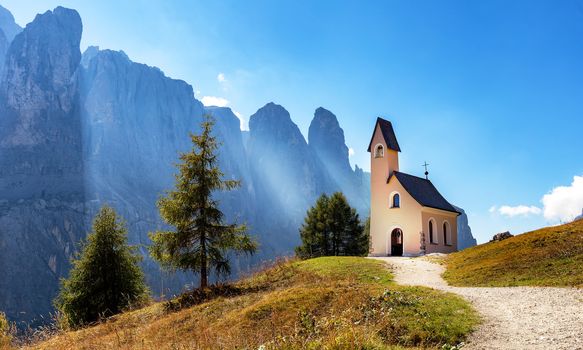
(203, 263)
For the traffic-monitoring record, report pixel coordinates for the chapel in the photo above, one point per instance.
(409, 217)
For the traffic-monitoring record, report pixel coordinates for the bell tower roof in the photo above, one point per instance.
(388, 135)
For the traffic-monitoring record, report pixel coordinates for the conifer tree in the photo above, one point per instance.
(332, 227)
(314, 231)
(201, 240)
(345, 228)
(105, 277)
(367, 233)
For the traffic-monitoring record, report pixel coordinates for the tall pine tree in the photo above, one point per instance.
(201, 240)
(105, 277)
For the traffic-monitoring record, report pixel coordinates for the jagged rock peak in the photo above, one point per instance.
(59, 20)
(325, 117)
(273, 122)
(224, 115)
(8, 25)
(325, 128)
(271, 113)
(88, 55)
(51, 45)
(120, 62)
(326, 137)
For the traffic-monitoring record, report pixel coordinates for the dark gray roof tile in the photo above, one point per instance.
(423, 191)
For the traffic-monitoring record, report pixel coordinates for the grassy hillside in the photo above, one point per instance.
(334, 303)
(552, 256)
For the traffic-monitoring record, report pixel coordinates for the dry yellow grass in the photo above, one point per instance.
(551, 256)
(331, 303)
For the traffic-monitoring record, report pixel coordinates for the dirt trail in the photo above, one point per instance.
(514, 317)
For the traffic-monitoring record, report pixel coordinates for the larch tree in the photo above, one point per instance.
(200, 240)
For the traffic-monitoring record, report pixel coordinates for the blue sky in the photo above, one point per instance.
(489, 93)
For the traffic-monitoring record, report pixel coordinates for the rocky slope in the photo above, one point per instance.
(326, 140)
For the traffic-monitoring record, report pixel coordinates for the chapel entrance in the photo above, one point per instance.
(397, 242)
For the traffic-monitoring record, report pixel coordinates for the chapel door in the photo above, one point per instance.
(397, 242)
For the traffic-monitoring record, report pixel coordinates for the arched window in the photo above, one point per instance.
(396, 201)
(379, 151)
(446, 233)
(432, 233)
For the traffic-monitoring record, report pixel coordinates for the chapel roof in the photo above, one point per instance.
(423, 191)
(388, 134)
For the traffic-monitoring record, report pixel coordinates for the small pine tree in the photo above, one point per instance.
(314, 231)
(345, 228)
(105, 277)
(332, 227)
(201, 240)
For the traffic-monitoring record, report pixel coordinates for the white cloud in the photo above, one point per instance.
(214, 101)
(221, 78)
(492, 209)
(564, 203)
(350, 152)
(519, 210)
(244, 124)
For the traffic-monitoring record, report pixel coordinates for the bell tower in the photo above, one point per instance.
(384, 152)
(384, 161)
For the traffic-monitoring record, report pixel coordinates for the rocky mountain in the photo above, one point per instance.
(326, 140)
(8, 30)
(41, 167)
(79, 131)
(8, 25)
(290, 175)
(465, 239)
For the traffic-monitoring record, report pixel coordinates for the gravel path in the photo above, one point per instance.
(514, 317)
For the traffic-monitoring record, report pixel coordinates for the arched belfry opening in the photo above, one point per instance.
(397, 242)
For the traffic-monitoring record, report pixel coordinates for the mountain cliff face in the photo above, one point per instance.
(79, 131)
(7, 25)
(290, 175)
(465, 239)
(41, 168)
(8, 30)
(326, 139)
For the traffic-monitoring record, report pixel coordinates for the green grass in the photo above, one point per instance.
(323, 303)
(552, 256)
(364, 270)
